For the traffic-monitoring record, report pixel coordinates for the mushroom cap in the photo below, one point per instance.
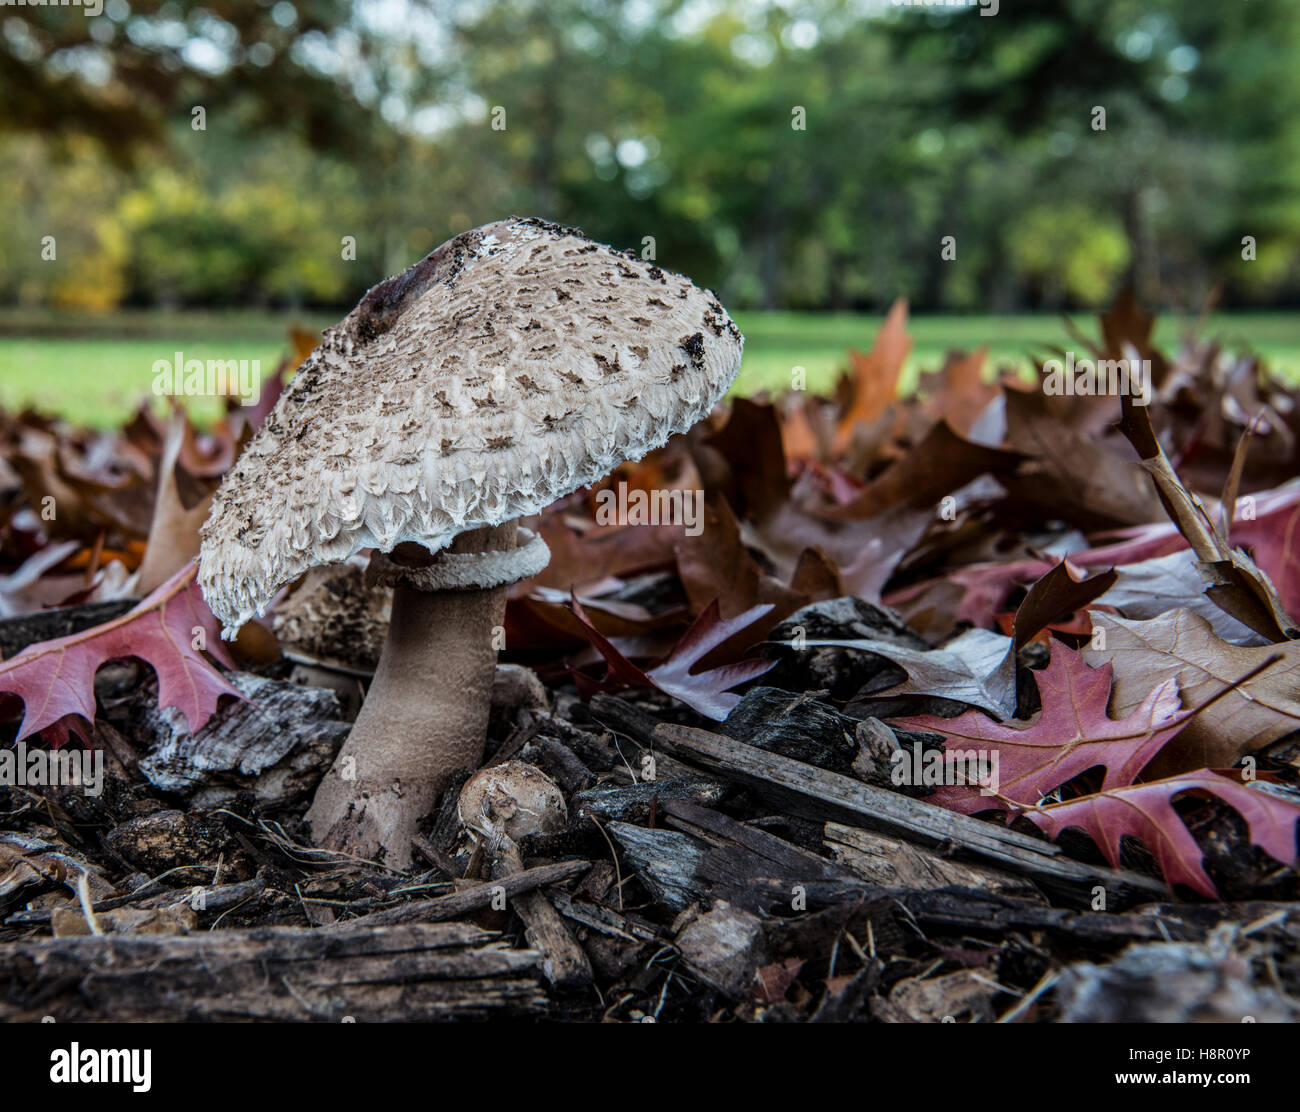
(514, 364)
(513, 798)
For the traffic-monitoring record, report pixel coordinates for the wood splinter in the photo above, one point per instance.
(500, 806)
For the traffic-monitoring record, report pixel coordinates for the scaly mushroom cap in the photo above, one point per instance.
(512, 365)
(335, 618)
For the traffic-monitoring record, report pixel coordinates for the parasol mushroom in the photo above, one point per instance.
(512, 365)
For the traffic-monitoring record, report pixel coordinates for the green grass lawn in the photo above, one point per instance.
(777, 342)
(95, 370)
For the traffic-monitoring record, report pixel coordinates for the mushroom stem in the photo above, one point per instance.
(564, 963)
(424, 717)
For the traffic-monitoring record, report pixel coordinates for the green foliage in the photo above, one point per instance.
(71, 222)
(1076, 253)
(666, 122)
(253, 243)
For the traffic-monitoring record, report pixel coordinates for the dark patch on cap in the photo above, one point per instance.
(303, 385)
(552, 423)
(384, 303)
(548, 226)
(608, 366)
(693, 345)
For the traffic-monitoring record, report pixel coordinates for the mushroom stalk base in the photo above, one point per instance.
(424, 717)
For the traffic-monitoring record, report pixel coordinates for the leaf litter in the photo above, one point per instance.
(1100, 593)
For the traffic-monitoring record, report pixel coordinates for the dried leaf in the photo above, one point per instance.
(1236, 584)
(1183, 645)
(968, 669)
(704, 691)
(1070, 734)
(56, 679)
(1146, 812)
(875, 375)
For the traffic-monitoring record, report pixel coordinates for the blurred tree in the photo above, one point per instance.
(62, 246)
(1075, 253)
(803, 153)
(123, 74)
(253, 240)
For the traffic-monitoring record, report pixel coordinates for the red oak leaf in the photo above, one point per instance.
(56, 679)
(1146, 812)
(1071, 734)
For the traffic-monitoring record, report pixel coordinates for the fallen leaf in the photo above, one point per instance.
(1056, 596)
(1070, 734)
(958, 393)
(174, 531)
(1146, 812)
(56, 679)
(1154, 587)
(941, 463)
(875, 375)
(704, 691)
(1236, 584)
(748, 464)
(968, 669)
(14, 587)
(715, 564)
(1072, 471)
(1183, 645)
(773, 981)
